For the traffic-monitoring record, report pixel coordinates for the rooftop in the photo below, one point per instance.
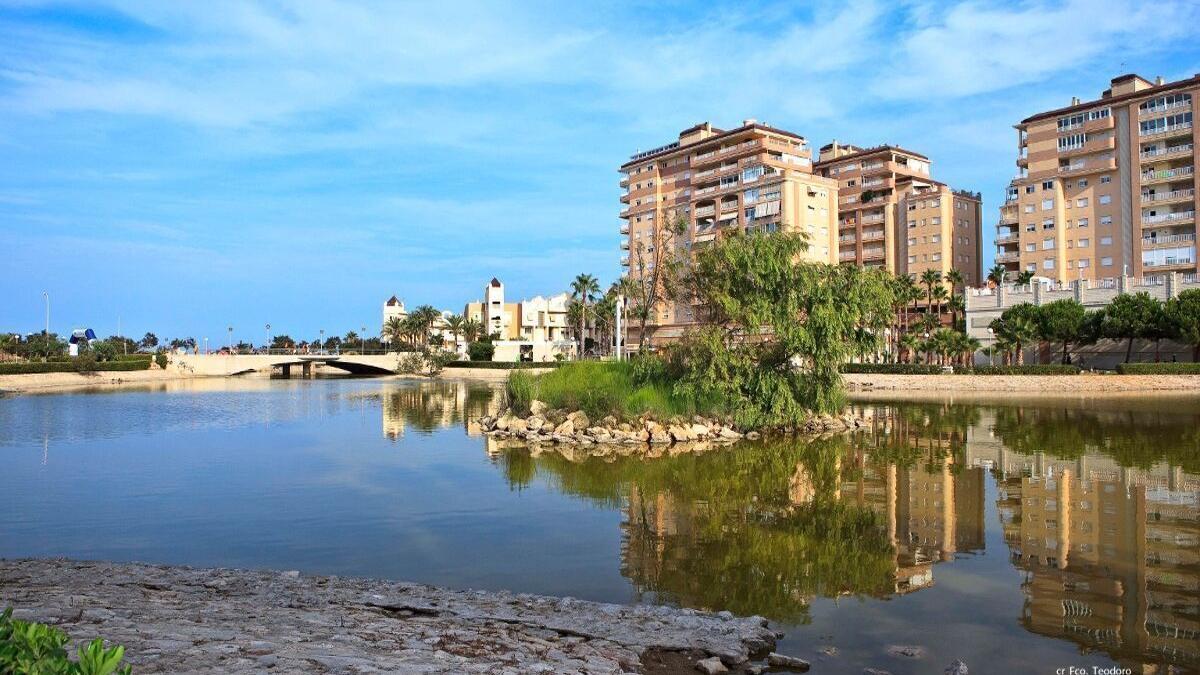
(1107, 97)
(717, 136)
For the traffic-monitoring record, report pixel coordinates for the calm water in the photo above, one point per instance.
(1020, 539)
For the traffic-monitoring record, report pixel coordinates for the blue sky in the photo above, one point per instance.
(189, 165)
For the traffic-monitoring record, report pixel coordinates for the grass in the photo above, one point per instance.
(599, 389)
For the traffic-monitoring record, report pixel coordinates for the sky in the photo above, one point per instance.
(181, 167)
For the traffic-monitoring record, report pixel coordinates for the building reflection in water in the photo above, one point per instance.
(431, 405)
(1095, 509)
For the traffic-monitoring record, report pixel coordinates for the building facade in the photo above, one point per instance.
(1105, 188)
(892, 215)
(750, 178)
(393, 308)
(529, 330)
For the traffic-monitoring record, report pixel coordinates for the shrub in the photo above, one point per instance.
(520, 390)
(34, 367)
(1033, 369)
(598, 389)
(481, 351)
(161, 359)
(104, 351)
(1158, 368)
(892, 368)
(503, 365)
(86, 362)
(27, 647)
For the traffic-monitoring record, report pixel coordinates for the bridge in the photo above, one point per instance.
(237, 364)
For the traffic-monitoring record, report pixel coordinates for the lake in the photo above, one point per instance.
(1017, 537)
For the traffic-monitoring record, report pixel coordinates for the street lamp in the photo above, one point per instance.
(362, 335)
(206, 346)
(322, 341)
(230, 329)
(46, 295)
(267, 343)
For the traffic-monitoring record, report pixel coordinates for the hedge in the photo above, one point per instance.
(1159, 368)
(32, 367)
(503, 365)
(892, 368)
(1031, 369)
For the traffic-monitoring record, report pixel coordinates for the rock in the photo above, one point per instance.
(711, 666)
(555, 416)
(516, 425)
(290, 574)
(909, 651)
(659, 436)
(729, 434)
(753, 435)
(609, 422)
(829, 650)
(956, 668)
(268, 661)
(567, 428)
(535, 423)
(580, 419)
(876, 671)
(538, 408)
(502, 423)
(789, 662)
(699, 430)
(679, 434)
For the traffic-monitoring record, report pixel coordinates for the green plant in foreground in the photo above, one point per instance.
(37, 649)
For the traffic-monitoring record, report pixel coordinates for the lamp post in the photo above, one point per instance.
(206, 346)
(46, 296)
(230, 329)
(617, 311)
(362, 335)
(267, 342)
(322, 350)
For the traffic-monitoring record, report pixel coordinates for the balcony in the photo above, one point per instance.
(1170, 262)
(872, 235)
(846, 255)
(1087, 166)
(705, 211)
(873, 218)
(874, 166)
(624, 228)
(847, 239)
(1161, 240)
(1155, 112)
(1170, 151)
(624, 181)
(1011, 237)
(1167, 132)
(1008, 257)
(625, 245)
(729, 206)
(1167, 197)
(625, 261)
(1177, 218)
(873, 253)
(1168, 174)
(625, 198)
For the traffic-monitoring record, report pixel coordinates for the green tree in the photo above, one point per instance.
(583, 290)
(148, 342)
(1017, 326)
(1184, 314)
(997, 274)
(394, 331)
(930, 278)
(658, 267)
(1024, 278)
(423, 320)
(1062, 321)
(955, 279)
(454, 324)
(471, 329)
(282, 342)
(1131, 316)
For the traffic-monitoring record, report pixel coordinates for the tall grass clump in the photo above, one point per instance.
(622, 389)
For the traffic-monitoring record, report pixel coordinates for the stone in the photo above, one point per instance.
(876, 671)
(502, 423)
(567, 428)
(729, 434)
(956, 668)
(580, 419)
(908, 651)
(711, 666)
(290, 574)
(787, 662)
(516, 425)
(535, 423)
(658, 436)
(679, 434)
(699, 430)
(268, 661)
(753, 435)
(538, 408)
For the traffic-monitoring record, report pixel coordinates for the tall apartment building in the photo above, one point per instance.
(1106, 188)
(892, 215)
(750, 178)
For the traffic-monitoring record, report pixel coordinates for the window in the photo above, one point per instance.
(1098, 114)
(912, 223)
(1106, 220)
(1165, 102)
(1048, 185)
(1048, 224)
(1031, 228)
(1105, 199)
(1083, 222)
(1160, 124)
(912, 241)
(1083, 182)
(1070, 122)
(1030, 247)
(1081, 202)
(935, 221)
(1071, 142)
(1106, 262)
(1048, 243)
(912, 259)
(1047, 204)
(936, 257)
(1048, 264)
(935, 238)
(1029, 189)
(1105, 179)
(1029, 208)
(1084, 242)
(1106, 241)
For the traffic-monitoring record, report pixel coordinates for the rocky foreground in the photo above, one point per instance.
(181, 619)
(550, 425)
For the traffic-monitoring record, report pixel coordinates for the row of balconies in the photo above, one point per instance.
(1008, 257)
(1168, 151)
(1154, 112)
(1173, 195)
(1168, 131)
(1176, 217)
(1168, 174)
(1168, 239)
(1005, 238)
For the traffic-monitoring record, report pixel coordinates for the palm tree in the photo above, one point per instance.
(930, 278)
(471, 329)
(997, 274)
(911, 344)
(425, 317)
(454, 324)
(957, 305)
(1024, 278)
(584, 289)
(955, 279)
(939, 294)
(394, 331)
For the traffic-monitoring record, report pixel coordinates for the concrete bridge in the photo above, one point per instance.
(236, 364)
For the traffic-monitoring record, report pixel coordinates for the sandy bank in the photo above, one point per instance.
(180, 619)
(36, 383)
(491, 374)
(1085, 384)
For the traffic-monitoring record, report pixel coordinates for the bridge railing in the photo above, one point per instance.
(304, 352)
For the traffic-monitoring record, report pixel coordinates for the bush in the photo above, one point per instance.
(71, 366)
(36, 648)
(1159, 368)
(481, 351)
(1033, 369)
(892, 368)
(520, 391)
(161, 359)
(504, 365)
(86, 362)
(598, 388)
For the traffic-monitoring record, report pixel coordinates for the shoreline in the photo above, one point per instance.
(1083, 385)
(184, 619)
(50, 383)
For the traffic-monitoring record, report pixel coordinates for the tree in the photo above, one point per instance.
(1183, 312)
(423, 320)
(123, 344)
(997, 274)
(1017, 326)
(282, 342)
(1130, 316)
(778, 329)
(658, 265)
(394, 331)
(911, 345)
(584, 289)
(454, 324)
(958, 307)
(939, 296)
(955, 279)
(149, 341)
(471, 329)
(1062, 321)
(930, 278)
(1025, 278)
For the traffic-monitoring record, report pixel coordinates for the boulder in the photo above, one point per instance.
(535, 423)
(729, 434)
(502, 423)
(789, 662)
(609, 422)
(538, 408)
(516, 425)
(567, 428)
(555, 416)
(659, 436)
(753, 435)
(711, 666)
(679, 434)
(956, 668)
(699, 430)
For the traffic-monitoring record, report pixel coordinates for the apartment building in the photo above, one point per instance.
(499, 319)
(1105, 188)
(750, 178)
(529, 330)
(893, 215)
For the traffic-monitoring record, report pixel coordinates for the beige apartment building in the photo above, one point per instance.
(893, 216)
(750, 178)
(1105, 188)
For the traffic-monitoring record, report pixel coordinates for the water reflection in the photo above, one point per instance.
(435, 405)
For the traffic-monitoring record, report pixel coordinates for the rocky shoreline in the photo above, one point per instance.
(175, 619)
(549, 425)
